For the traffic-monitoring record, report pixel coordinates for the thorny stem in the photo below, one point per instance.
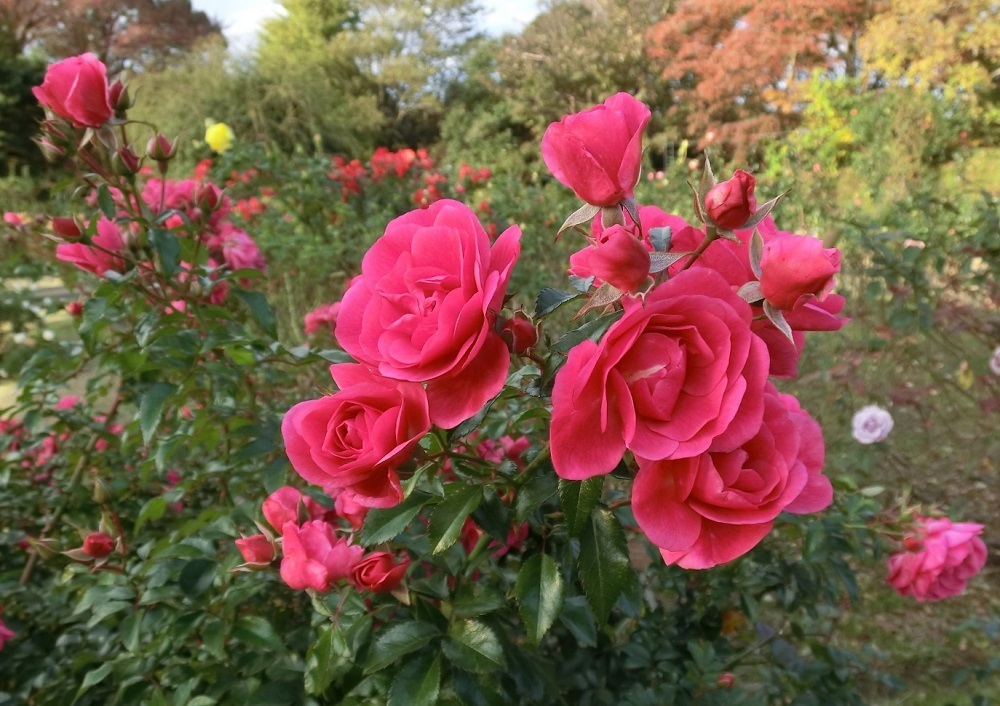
(710, 237)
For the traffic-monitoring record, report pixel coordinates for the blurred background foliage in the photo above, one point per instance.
(882, 116)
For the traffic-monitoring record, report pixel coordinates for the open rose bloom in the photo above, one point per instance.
(940, 558)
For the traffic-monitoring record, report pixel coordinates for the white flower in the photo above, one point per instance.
(20, 337)
(995, 361)
(48, 335)
(871, 424)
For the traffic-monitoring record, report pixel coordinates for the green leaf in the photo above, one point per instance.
(580, 216)
(260, 310)
(578, 500)
(94, 676)
(197, 576)
(105, 202)
(477, 598)
(165, 244)
(591, 330)
(398, 640)
(151, 408)
(213, 635)
(471, 424)
(320, 660)
(382, 525)
(660, 238)
(603, 562)
(534, 494)
(550, 299)
(539, 590)
(448, 517)
(493, 516)
(418, 682)
(473, 646)
(578, 619)
(240, 356)
(153, 510)
(257, 631)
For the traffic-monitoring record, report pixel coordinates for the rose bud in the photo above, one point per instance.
(209, 197)
(125, 161)
(620, 259)
(50, 151)
(160, 148)
(729, 204)
(120, 99)
(75, 309)
(66, 228)
(519, 333)
(726, 680)
(598, 152)
(98, 545)
(77, 89)
(796, 269)
(256, 549)
(378, 572)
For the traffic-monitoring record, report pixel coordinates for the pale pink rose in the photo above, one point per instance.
(871, 424)
(77, 89)
(940, 558)
(709, 509)
(797, 269)
(67, 402)
(256, 549)
(322, 317)
(347, 508)
(995, 361)
(676, 376)
(598, 152)
(424, 307)
(13, 219)
(378, 572)
(729, 204)
(356, 438)
(105, 255)
(314, 557)
(288, 504)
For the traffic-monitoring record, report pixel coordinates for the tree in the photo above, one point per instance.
(952, 48)
(19, 114)
(737, 65)
(133, 34)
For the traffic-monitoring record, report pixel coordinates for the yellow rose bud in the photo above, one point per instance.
(219, 137)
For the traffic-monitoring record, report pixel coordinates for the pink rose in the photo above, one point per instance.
(77, 89)
(598, 152)
(322, 317)
(796, 269)
(103, 256)
(67, 402)
(98, 544)
(618, 257)
(678, 376)
(241, 252)
(6, 633)
(349, 509)
(357, 437)
(378, 572)
(709, 509)
(425, 305)
(314, 557)
(729, 204)
(941, 557)
(519, 333)
(288, 504)
(13, 219)
(256, 549)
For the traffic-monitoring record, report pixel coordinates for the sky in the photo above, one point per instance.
(240, 19)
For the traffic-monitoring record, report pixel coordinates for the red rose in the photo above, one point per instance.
(940, 557)
(617, 257)
(77, 89)
(315, 557)
(256, 549)
(356, 438)
(709, 509)
(674, 377)
(796, 269)
(519, 333)
(424, 307)
(598, 152)
(729, 204)
(378, 572)
(98, 544)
